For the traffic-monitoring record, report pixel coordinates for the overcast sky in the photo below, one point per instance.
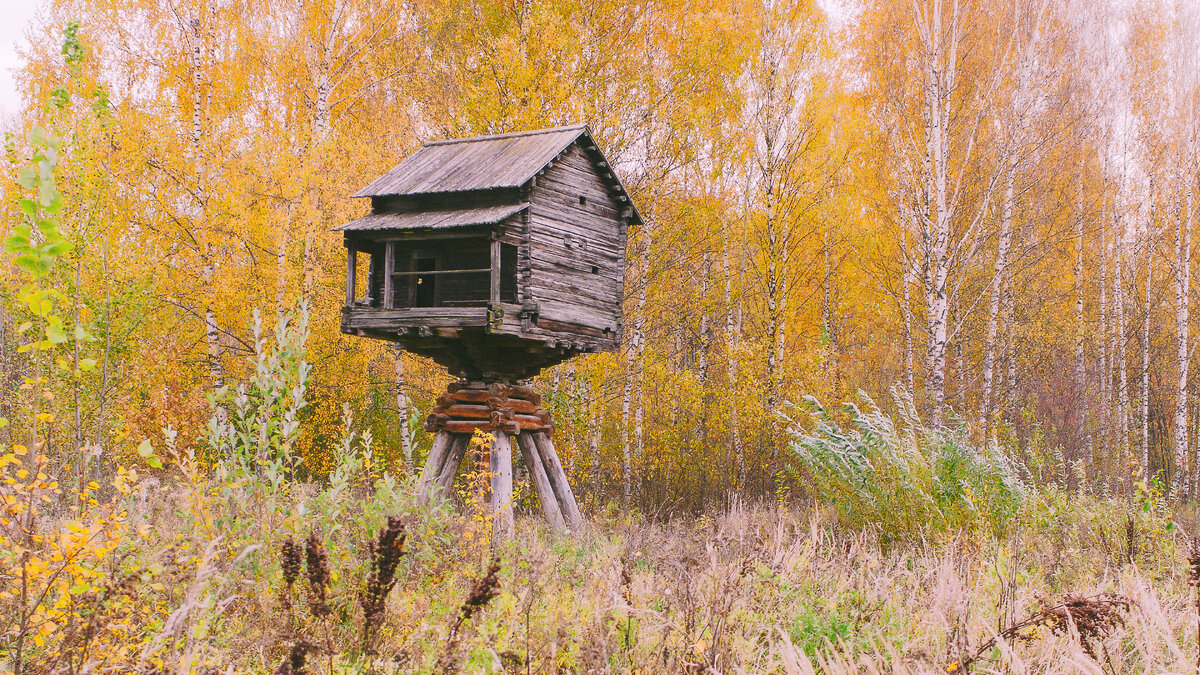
(15, 16)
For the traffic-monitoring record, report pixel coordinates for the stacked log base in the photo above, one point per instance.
(469, 406)
(508, 413)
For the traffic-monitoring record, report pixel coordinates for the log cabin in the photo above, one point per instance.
(495, 256)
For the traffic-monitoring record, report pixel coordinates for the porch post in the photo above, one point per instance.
(351, 268)
(389, 265)
(494, 298)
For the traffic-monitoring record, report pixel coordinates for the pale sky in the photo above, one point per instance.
(15, 16)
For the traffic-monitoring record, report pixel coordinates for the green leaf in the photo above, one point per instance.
(48, 227)
(59, 249)
(30, 263)
(38, 301)
(27, 177)
(55, 333)
(146, 450)
(87, 365)
(3, 422)
(47, 192)
(16, 243)
(28, 208)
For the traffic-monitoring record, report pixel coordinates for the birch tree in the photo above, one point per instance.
(939, 100)
(787, 129)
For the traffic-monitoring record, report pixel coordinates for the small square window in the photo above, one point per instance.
(583, 200)
(595, 269)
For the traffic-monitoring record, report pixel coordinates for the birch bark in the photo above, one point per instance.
(1183, 278)
(1003, 249)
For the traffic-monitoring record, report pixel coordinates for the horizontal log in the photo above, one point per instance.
(526, 392)
(465, 411)
(463, 396)
(515, 404)
(464, 427)
(517, 424)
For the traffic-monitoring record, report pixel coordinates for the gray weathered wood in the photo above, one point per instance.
(494, 279)
(351, 270)
(454, 457)
(558, 480)
(389, 267)
(502, 485)
(541, 484)
(433, 465)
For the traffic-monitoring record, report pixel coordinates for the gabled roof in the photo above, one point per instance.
(439, 219)
(478, 163)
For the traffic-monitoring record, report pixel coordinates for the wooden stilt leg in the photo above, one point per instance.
(558, 480)
(433, 465)
(502, 485)
(541, 483)
(454, 457)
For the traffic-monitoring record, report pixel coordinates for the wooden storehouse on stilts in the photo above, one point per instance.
(495, 256)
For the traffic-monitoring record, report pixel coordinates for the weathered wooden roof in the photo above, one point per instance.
(438, 219)
(479, 163)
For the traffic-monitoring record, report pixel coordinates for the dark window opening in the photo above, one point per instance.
(373, 291)
(583, 200)
(440, 273)
(425, 293)
(595, 269)
(508, 273)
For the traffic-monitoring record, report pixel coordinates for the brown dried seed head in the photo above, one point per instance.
(1094, 617)
(385, 558)
(317, 569)
(1193, 558)
(485, 589)
(294, 663)
(289, 561)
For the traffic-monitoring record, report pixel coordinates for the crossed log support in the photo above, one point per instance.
(507, 412)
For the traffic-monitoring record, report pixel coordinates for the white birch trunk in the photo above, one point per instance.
(774, 320)
(731, 370)
(1145, 412)
(1122, 365)
(1106, 357)
(626, 426)
(940, 81)
(908, 317)
(1080, 366)
(1183, 276)
(406, 441)
(1003, 247)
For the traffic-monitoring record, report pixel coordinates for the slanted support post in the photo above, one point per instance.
(454, 458)
(558, 479)
(509, 413)
(433, 465)
(351, 268)
(541, 483)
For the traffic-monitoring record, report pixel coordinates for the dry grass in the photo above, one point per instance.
(768, 589)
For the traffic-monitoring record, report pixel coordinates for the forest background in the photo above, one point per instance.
(987, 204)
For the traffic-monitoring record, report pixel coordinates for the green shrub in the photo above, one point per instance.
(903, 480)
